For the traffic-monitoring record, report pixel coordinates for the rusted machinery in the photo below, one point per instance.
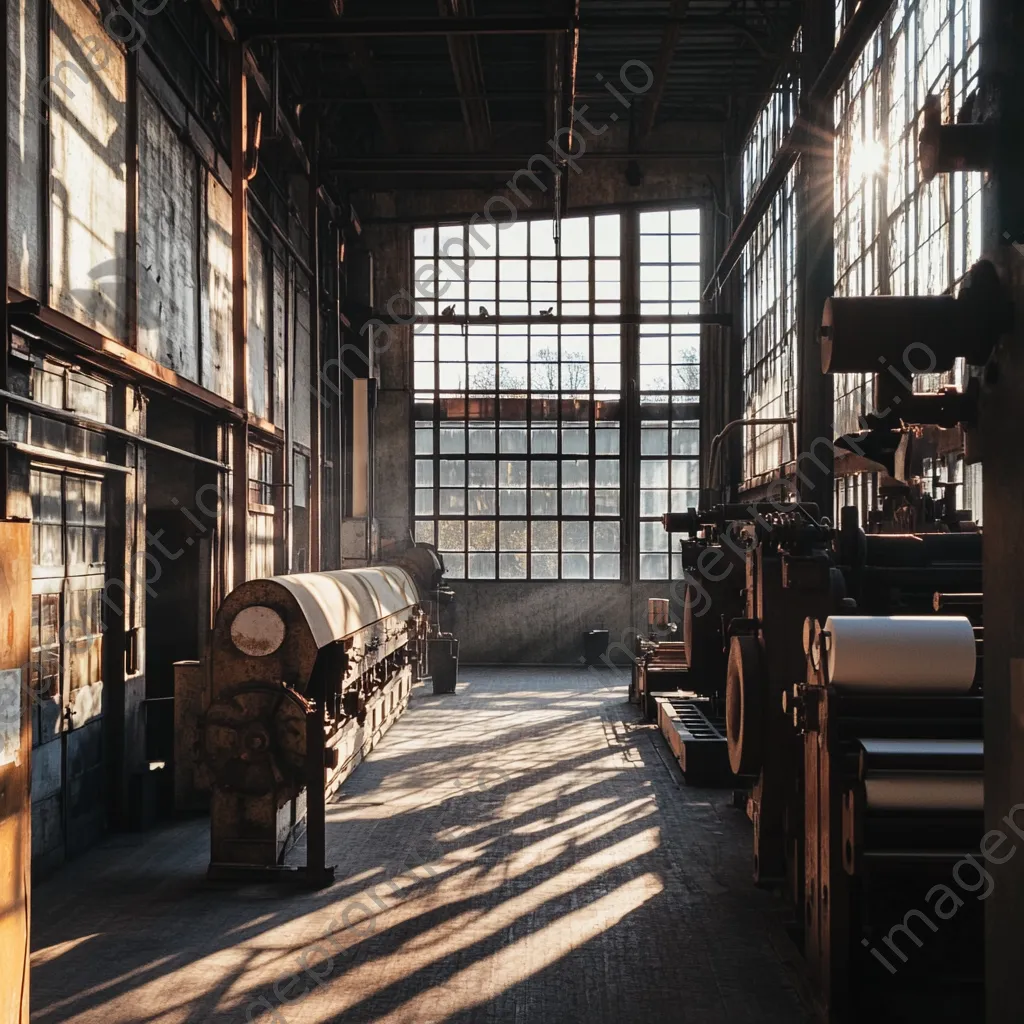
(799, 570)
(659, 665)
(306, 674)
(891, 720)
(683, 685)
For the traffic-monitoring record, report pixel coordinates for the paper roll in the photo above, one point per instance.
(925, 791)
(901, 653)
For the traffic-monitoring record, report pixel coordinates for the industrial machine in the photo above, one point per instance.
(306, 673)
(683, 685)
(890, 715)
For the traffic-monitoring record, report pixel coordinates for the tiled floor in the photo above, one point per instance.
(523, 851)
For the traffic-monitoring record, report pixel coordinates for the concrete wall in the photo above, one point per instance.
(505, 621)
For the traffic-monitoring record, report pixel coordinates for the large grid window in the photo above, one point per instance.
(770, 292)
(669, 381)
(518, 472)
(896, 234)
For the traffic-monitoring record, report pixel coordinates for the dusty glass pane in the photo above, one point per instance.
(451, 535)
(606, 503)
(575, 473)
(653, 503)
(575, 567)
(544, 503)
(481, 536)
(453, 440)
(544, 474)
(452, 502)
(653, 537)
(481, 474)
(607, 440)
(575, 440)
(606, 567)
(512, 473)
(654, 440)
(575, 503)
(512, 535)
(453, 473)
(544, 567)
(575, 536)
(512, 503)
(606, 536)
(654, 473)
(545, 536)
(513, 440)
(606, 473)
(512, 566)
(654, 567)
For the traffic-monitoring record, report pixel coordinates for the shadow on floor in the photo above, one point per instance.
(521, 851)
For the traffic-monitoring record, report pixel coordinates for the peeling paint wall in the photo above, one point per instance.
(88, 188)
(167, 275)
(24, 149)
(217, 360)
(301, 378)
(259, 323)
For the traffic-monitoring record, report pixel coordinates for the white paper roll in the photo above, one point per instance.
(925, 791)
(901, 653)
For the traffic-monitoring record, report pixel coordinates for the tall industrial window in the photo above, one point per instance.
(670, 255)
(770, 292)
(260, 525)
(896, 234)
(518, 469)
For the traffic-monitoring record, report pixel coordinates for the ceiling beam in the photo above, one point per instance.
(362, 60)
(467, 68)
(349, 28)
(662, 67)
(476, 163)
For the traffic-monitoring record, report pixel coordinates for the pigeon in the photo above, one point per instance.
(448, 312)
(483, 311)
(550, 311)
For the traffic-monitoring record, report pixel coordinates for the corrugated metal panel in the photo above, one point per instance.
(167, 243)
(24, 165)
(259, 324)
(88, 196)
(217, 358)
(300, 357)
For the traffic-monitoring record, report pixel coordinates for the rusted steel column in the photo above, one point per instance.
(239, 310)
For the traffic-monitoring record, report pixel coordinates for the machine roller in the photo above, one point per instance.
(305, 674)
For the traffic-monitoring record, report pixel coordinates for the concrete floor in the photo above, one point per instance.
(522, 851)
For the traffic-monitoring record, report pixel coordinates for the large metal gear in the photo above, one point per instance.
(254, 741)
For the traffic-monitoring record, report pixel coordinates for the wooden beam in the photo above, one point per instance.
(662, 66)
(223, 23)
